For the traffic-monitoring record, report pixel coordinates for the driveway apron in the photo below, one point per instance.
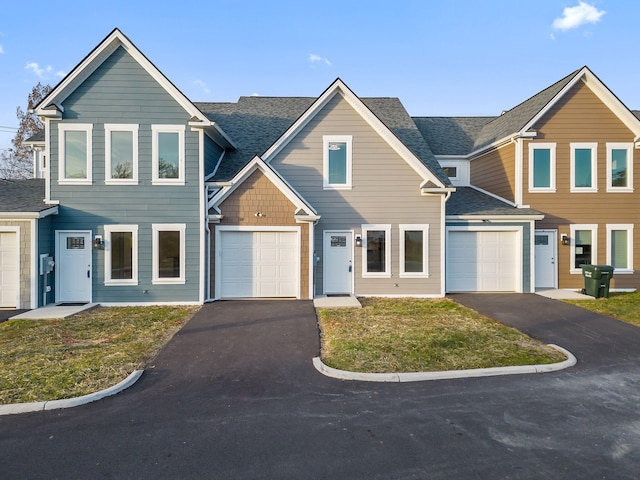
(596, 340)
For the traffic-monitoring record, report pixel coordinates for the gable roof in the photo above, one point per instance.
(454, 135)
(264, 125)
(21, 197)
(304, 210)
(51, 105)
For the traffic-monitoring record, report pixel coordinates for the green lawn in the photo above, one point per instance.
(623, 306)
(54, 359)
(413, 335)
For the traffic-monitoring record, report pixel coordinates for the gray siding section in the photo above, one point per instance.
(386, 190)
(46, 245)
(212, 152)
(120, 91)
(526, 248)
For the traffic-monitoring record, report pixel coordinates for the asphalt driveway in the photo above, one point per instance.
(235, 395)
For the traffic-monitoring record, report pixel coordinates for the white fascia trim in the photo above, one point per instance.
(282, 185)
(215, 169)
(28, 215)
(339, 87)
(494, 196)
(204, 265)
(34, 265)
(214, 132)
(493, 146)
(97, 56)
(496, 218)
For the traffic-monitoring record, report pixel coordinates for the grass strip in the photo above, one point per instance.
(624, 306)
(64, 358)
(422, 335)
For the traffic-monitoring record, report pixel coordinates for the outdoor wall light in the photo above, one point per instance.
(565, 239)
(259, 214)
(358, 240)
(98, 244)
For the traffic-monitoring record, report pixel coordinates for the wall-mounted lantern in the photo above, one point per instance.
(98, 244)
(564, 238)
(358, 240)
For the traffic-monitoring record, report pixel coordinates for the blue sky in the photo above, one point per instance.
(454, 57)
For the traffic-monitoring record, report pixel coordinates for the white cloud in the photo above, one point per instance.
(574, 17)
(1, 50)
(60, 74)
(315, 59)
(40, 72)
(202, 85)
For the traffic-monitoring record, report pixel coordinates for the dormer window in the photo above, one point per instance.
(337, 161)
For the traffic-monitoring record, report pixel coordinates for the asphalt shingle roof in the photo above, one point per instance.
(255, 123)
(25, 196)
(451, 135)
(469, 201)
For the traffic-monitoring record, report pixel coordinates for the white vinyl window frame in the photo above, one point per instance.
(624, 227)
(155, 251)
(552, 167)
(386, 228)
(594, 167)
(155, 130)
(326, 141)
(63, 128)
(629, 149)
(424, 228)
(108, 231)
(109, 128)
(594, 245)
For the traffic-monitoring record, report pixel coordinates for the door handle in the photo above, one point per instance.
(89, 273)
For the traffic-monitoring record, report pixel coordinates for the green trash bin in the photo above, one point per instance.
(597, 279)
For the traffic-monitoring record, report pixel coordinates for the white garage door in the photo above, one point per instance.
(482, 261)
(259, 264)
(9, 269)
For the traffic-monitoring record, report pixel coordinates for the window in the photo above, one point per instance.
(121, 153)
(337, 161)
(74, 149)
(451, 172)
(584, 246)
(414, 258)
(168, 154)
(620, 247)
(376, 254)
(619, 167)
(584, 167)
(168, 253)
(121, 255)
(542, 167)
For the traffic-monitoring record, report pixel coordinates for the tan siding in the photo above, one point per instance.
(385, 191)
(257, 193)
(495, 172)
(581, 117)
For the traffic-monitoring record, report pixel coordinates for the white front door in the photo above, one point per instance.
(73, 267)
(9, 266)
(545, 258)
(338, 262)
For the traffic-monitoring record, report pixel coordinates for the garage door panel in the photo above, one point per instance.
(9, 278)
(482, 261)
(259, 264)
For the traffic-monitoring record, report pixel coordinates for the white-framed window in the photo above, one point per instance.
(620, 247)
(584, 246)
(619, 167)
(542, 167)
(584, 167)
(167, 150)
(121, 153)
(451, 172)
(337, 161)
(75, 153)
(168, 250)
(376, 251)
(414, 250)
(121, 255)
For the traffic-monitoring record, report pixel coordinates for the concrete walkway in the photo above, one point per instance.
(54, 311)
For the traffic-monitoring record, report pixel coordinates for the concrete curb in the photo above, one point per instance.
(424, 376)
(71, 402)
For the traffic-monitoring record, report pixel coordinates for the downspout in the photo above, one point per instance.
(207, 282)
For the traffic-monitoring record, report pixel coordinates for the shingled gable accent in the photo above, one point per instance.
(338, 87)
(304, 212)
(51, 105)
